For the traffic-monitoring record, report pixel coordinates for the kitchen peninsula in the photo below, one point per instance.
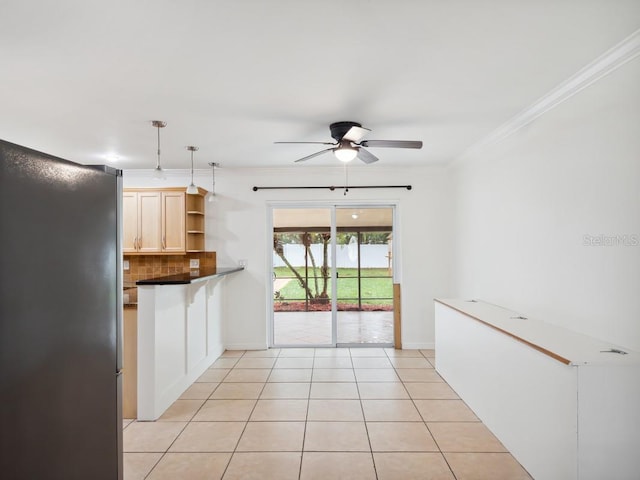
(180, 334)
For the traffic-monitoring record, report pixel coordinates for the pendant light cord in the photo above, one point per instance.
(158, 173)
(158, 162)
(192, 189)
(192, 166)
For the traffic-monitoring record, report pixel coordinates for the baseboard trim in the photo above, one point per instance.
(246, 346)
(263, 346)
(418, 346)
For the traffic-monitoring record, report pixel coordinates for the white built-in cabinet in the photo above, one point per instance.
(567, 406)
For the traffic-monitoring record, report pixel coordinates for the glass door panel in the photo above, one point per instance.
(302, 266)
(364, 273)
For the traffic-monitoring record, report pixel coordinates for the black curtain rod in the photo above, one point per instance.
(333, 187)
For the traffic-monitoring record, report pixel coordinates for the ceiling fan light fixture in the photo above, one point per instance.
(192, 189)
(345, 153)
(348, 143)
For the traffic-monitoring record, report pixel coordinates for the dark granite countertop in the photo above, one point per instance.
(191, 276)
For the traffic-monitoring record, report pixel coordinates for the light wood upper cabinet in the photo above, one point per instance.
(129, 222)
(155, 221)
(141, 228)
(149, 227)
(173, 222)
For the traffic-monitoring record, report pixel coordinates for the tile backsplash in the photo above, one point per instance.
(142, 267)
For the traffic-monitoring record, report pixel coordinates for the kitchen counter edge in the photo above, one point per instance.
(192, 276)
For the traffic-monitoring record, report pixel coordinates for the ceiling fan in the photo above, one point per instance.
(349, 144)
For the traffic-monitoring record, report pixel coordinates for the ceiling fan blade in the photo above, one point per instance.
(314, 143)
(366, 157)
(355, 134)
(392, 143)
(308, 157)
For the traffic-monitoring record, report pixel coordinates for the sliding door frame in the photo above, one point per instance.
(333, 206)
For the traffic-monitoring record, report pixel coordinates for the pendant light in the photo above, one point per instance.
(192, 189)
(212, 193)
(158, 172)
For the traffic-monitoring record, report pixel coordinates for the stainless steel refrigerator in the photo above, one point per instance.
(60, 318)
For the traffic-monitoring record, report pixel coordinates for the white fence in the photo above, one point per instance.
(371, 256)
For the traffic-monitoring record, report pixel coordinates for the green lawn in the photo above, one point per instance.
(347, 285)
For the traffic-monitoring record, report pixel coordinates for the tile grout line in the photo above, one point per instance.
(235, 448)
(209, 398)
(364, 418)
(306, 417)
(226, 467)
(423, 420)
(183, 428)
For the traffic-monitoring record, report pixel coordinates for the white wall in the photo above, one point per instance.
(526, 206)
(237, 229)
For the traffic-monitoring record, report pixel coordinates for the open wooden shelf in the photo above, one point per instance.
(195, 221)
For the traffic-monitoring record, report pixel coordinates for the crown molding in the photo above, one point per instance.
(611, 60)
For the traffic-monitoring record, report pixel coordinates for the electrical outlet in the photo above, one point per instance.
(125, 265)
(242, 263)
(194, 263)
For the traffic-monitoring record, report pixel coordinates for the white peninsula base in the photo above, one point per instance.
(179, 336)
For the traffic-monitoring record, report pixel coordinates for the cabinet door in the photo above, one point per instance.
(149, 233)
(173, 222)
(130, 363)
(129, 222)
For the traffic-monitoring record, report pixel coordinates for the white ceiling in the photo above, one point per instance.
(83, 79)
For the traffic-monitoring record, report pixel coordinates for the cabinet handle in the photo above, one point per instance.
(135, 243)
(164, 243)
(139, 243)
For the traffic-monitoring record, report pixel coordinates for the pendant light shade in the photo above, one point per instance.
(345, 152)
(158, 172)
(212, 193)
(192, 189)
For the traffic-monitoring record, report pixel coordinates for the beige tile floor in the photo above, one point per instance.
(314, 328)
(367, 413)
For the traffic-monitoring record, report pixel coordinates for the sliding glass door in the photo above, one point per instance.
(332, 276)
(364, 263)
